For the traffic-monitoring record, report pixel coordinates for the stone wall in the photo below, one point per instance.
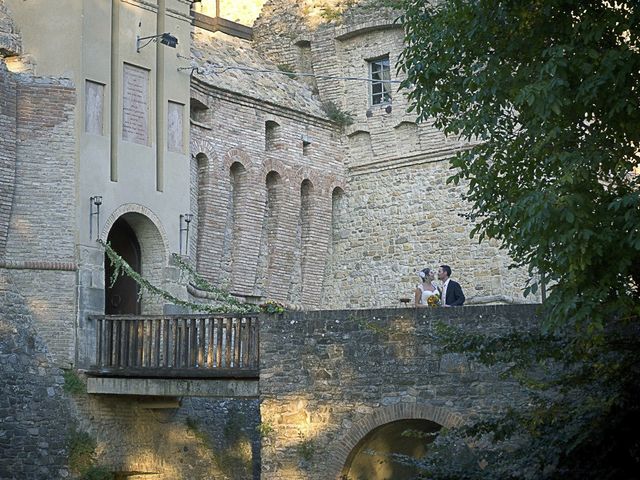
(397, 221)
(33, 409)
(329, 378)
(199, 439)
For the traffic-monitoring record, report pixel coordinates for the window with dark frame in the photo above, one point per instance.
(380, 80)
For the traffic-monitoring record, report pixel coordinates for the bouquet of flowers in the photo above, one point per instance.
(433, 300)
(271, 306)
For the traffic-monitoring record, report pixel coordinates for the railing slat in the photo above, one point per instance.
(201, 344)
(211, 322)
(175, 348)
(236, 343)
(99, 342)
(227, 347)
(219, 343)
(109, 342)
(246, 329)
(157, 323)
(193, 338)
(116, 347)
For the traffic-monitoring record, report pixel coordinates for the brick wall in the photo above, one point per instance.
(43, 217)
(40, 246)
(7, 151)
(248, 229)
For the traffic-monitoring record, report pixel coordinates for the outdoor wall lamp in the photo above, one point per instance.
(186, 218)
(165, 38)
(94, 201)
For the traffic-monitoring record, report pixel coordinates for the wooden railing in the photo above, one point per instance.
(173, 346)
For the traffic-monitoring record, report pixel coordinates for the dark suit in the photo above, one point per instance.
(455, 297)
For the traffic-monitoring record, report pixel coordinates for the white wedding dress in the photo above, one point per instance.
(426, 293)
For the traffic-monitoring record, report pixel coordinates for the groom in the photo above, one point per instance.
(451, 291)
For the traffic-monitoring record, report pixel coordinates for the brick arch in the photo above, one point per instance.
(334, 181)
(154, 244)
(135, 208)
(275, 165)
(347, 442)
(198, 146)
(305, 173)
(237, 155)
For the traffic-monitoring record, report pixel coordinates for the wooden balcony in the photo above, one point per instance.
(198, 347)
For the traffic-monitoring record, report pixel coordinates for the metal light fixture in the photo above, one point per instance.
(165, 38)
(186, 218)
(95, 201)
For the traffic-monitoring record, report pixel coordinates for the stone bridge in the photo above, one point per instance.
(329, 380)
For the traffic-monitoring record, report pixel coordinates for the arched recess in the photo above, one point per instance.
(306, 221)
(360, 149)
(301, 247)
(407, 136)
(338, 201)
(372, 458)
(203, 210)
(338, 460)
(272, 135)
(269, 237)
(239, 190)
(138, 240)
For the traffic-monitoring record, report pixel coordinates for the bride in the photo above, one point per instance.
(425, 289)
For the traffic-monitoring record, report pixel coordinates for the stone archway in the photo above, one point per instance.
(122, 296)
(141, 241)
(372, 458)
(391, 417)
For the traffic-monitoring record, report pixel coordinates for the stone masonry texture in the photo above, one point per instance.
(330, 377)
(33, 409)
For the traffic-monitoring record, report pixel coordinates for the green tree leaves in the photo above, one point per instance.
(549, 89)
(548, 94)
